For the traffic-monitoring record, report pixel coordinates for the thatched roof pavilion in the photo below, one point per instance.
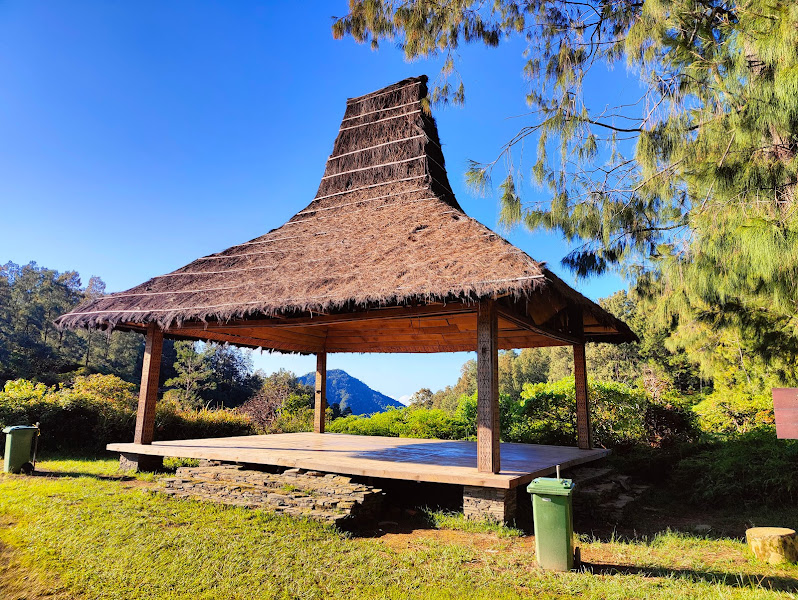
(382, 260)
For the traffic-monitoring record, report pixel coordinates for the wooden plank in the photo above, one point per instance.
(393, 338)
(320, 407)
(388, 338)
(584, 434)
(541, 308)
(378, 314)
(281, 334)
(272, 333)
(414, 324)
(391, 331)
(528, 323)
(488, 448)
(785, 410)
(148, 392)
(421, 348)
(439, 461)
(274, 344)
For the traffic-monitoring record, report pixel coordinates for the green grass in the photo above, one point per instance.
(455, 521)
(91, 536)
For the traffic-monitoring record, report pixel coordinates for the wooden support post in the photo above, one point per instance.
(584, 435)
(321, 392)
(148, 393)
(488, 448)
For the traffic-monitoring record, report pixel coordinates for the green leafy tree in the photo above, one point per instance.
(423, 398)
(194, 376)
(690, 189)
(232, 374)
(282, 404)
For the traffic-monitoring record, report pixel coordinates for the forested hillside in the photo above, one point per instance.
(32, 348)
(31, 297)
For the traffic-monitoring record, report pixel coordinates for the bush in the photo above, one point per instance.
(754, 468)
(545, 414)
(175, 423)
(734, 412)
(622, 416)
(291, 421)
(99, 409)
(404, 422)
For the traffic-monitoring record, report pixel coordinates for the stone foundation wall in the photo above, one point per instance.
(140, 462)
(312, 494)
(489, 503)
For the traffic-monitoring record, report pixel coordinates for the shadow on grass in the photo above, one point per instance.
(76, 474)
(739, 580)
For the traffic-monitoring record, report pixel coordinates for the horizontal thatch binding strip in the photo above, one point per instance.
(371, 123)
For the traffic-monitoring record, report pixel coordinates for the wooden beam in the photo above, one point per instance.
(391, 312)
(488, 449)
(239, 340)
(527, 323)
(584, 435)
(321, 392)
(148, 393)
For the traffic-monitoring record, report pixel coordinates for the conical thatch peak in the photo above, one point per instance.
(383, 229)
(387, 138)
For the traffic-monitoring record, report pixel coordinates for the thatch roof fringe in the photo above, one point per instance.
(383, 230)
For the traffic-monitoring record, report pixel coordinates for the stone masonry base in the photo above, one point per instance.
(489, 503)
(140, 462)
(328, 497)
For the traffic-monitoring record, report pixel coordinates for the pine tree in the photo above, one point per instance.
(691, 191)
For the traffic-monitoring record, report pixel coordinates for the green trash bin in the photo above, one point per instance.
(19, 442)
(553, 518)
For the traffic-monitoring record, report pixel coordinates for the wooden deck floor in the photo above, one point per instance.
(412, 459)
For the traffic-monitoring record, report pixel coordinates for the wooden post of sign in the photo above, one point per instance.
(488, 448)
(584, 435)
(148, 396)
(321, 393)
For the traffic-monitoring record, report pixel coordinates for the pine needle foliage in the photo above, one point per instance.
(691, 190)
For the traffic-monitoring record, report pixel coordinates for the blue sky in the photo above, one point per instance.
(135, 137)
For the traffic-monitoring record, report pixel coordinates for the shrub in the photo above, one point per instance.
(173, 423)
(669, 422)
(621, 416)
(545, 414)
(403, 422)
(99, 409)
(753, 468)
(291, 421)
(734, 412)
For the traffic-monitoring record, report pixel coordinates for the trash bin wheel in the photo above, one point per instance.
(26, 468)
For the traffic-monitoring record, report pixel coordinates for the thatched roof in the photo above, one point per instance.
(383, 230)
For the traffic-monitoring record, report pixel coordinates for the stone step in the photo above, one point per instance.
(596, 493)
(602, 493)
(616, 509)
(326, 497)
(583, 476)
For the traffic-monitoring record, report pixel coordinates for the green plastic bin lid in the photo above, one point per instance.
(18, 427)
(551, 486)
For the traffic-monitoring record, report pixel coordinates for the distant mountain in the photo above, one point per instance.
(352, 393)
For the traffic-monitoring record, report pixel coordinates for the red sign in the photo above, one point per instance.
(785, 409)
